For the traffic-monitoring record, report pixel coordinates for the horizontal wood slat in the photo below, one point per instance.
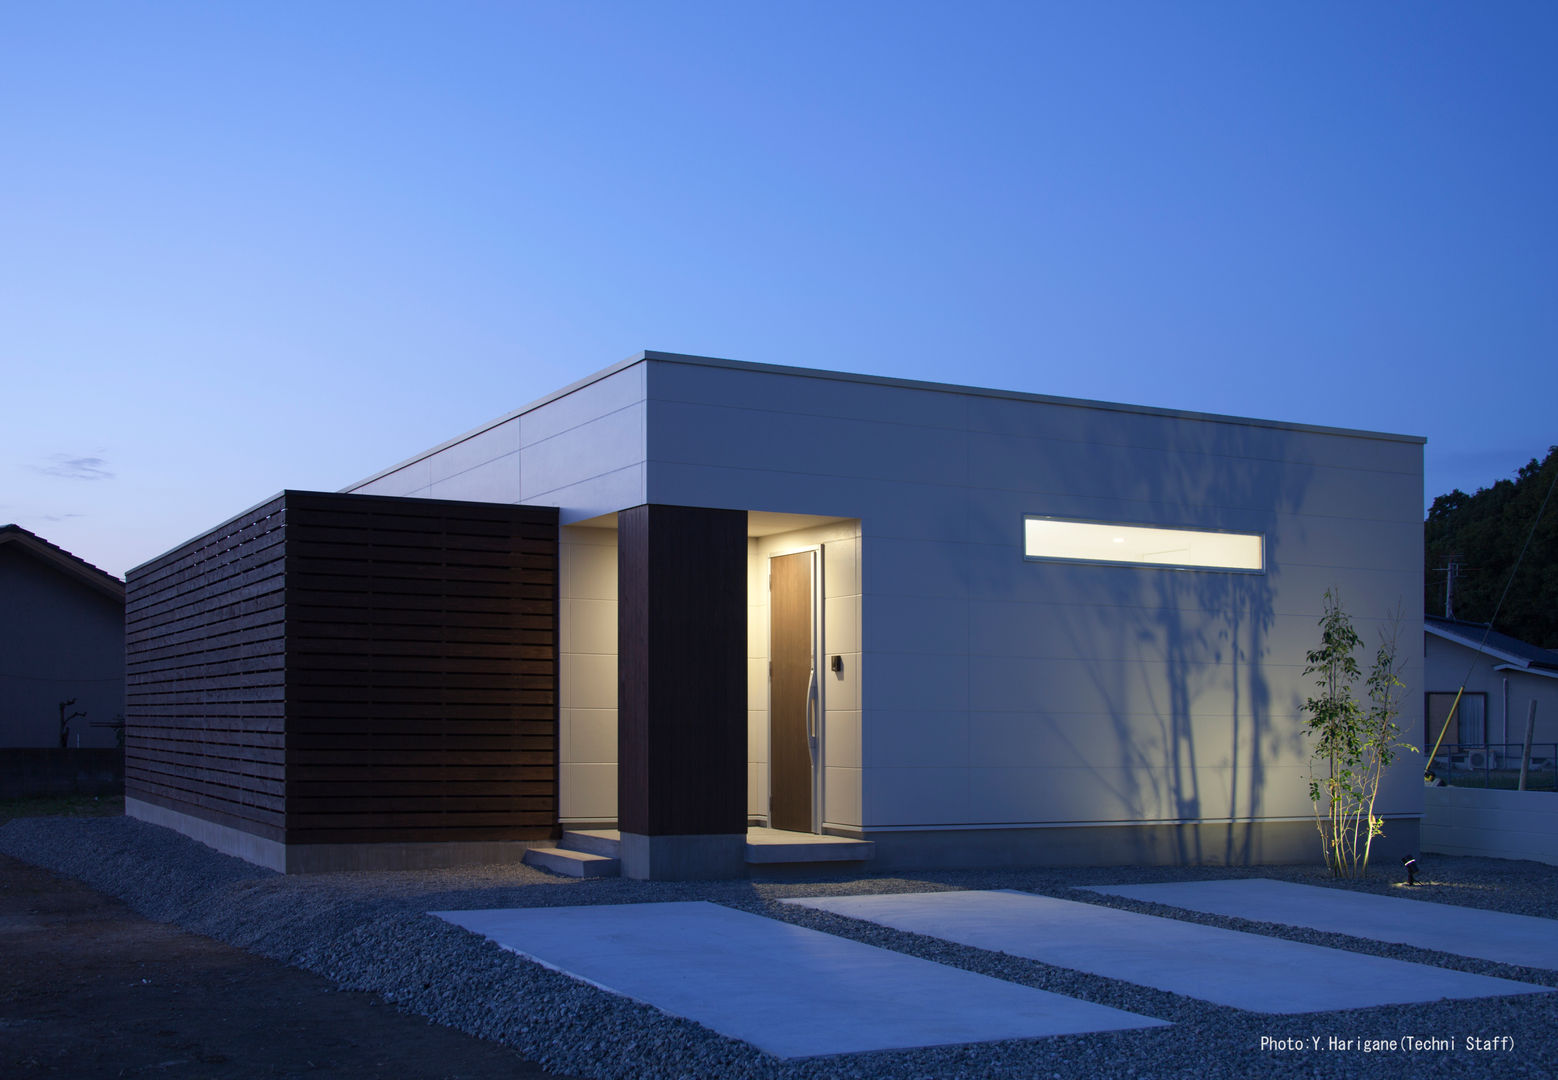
(346, 668)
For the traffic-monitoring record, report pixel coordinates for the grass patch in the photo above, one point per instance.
(62, 806)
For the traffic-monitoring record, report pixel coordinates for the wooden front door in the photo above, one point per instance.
(792, 691)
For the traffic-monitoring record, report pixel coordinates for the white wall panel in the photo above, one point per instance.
(500, 440)
(841, 625)
(842, 688)
(842, 728)
(1082, 423)
(603, 397)
(841, 796)
(905, 737)
(1046, 739)
(934, 568)
(492, 481)
(587, 594)
(841, 568)
(592, 563)
(915, 796)
(596, 448)
(812, 396)
(588, 791)
(918, 681)
(887, 507)
(763, 440)
(588, 682)
(592, 735)
(920, 624)
(410, 480)
(604, 494)
(592, 626)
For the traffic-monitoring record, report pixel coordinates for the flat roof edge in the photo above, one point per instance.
(1019, 395)
(879, 380)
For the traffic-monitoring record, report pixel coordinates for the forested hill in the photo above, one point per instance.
(1484, 533)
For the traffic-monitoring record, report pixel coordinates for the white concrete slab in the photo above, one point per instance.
(1246, 971)
(785, 989)
(1487, 935)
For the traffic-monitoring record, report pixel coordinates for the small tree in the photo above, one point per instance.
(65, 722)
(1354, 742)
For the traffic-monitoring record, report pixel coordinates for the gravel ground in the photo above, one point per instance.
(370, 931)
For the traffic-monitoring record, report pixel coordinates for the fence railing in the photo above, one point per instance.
(1496, 765)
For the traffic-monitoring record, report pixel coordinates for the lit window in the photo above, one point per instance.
(1142, 545)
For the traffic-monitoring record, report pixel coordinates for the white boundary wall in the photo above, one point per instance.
(1499, 824)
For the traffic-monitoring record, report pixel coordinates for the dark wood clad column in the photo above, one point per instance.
(682, 694)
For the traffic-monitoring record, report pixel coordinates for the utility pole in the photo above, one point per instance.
(1448, 570)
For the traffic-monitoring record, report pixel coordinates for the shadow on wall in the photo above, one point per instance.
(1191, 707)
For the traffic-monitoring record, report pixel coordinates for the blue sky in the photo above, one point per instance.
(248, 246)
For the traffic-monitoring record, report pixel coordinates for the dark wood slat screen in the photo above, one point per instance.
(205, 644)
(681, 680)
(351, 669)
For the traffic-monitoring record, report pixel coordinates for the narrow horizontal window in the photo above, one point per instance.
(1142, 545)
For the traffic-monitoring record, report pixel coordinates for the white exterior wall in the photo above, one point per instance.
(1002, 692)
(1006, 692)
(582, 450)
(587, 694)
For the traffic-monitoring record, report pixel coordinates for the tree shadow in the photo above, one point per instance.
(1198, 697)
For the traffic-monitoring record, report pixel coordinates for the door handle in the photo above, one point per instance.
(811, 715)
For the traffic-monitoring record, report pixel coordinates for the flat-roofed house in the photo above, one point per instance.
(686, 598)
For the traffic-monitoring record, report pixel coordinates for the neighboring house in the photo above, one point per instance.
(61, 640)
(1502, 676)
(686, 596)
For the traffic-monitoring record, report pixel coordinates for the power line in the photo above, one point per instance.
(1427, 767)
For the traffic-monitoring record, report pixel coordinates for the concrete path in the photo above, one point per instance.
(785, 989)
(1246, 971)
(1523, 940)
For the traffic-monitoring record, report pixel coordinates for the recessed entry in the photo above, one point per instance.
(1066, 540)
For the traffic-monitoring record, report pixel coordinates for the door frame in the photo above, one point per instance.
(817, 593)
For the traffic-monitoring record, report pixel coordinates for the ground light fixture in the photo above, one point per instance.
(1410, 862)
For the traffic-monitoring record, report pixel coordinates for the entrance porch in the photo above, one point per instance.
(695, 700)
(598, 852)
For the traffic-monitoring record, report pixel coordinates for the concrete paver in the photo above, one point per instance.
(786, 989)
(1246, 971)
(1502, 937)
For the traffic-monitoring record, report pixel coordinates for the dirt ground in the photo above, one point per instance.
(88, 989)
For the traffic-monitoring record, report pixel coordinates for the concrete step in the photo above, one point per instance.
(605, 842)
(579, 864)
(768, 847)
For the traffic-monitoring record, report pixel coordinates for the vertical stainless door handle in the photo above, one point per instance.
(811, 714)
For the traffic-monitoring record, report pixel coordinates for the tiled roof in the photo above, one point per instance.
(1508, 648)
(57, 557)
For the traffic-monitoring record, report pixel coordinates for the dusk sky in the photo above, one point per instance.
(249, 246)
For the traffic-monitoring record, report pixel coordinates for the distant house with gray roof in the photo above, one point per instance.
(61, 644)
(1502, 676)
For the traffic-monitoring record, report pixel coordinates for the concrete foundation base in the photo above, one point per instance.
(326, 858)
(684, 858)
(1261, 843)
